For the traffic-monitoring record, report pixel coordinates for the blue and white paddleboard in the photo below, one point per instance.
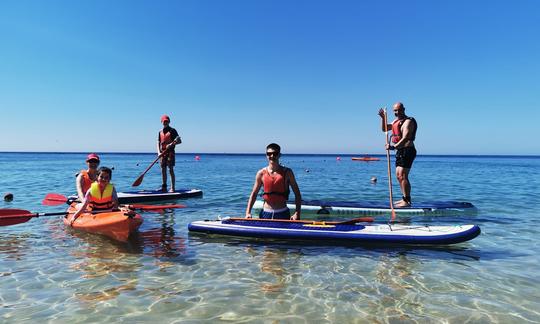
(140, 196)
(334, 232)
(147, 196)
(347, 208)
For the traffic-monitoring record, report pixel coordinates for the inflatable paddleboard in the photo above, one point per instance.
(365, 158)
(347, 208)
(332, 233)
(140, 196)
(145, 196)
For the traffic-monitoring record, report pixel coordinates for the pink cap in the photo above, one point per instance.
(164, 118)
(92, 156)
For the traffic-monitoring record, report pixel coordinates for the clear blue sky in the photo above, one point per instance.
(236, 75)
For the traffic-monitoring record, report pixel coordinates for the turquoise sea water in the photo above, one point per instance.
(164, 274)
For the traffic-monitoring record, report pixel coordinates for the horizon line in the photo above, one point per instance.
(248, 153)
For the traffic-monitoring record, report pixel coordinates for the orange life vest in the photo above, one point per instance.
(276, 186)
(101, 200)
(165, 139)
(86, 181)
(396, 129)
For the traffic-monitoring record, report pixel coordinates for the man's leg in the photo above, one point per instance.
(402, 175)
(164, 177)
(173, 178)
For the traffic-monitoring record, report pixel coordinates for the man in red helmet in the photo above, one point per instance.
(167, 139)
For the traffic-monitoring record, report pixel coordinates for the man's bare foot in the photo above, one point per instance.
(399, 202)
(402, 203)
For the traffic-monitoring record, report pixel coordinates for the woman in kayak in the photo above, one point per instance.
(275, 180)
(100, 196)
(85, 178)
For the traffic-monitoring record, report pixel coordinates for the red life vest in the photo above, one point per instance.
(99, 199)
(86, 181)
(396, 129)
(165, 139)
(276, 186)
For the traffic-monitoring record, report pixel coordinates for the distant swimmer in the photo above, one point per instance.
(403, 136)
(8, 196)
(373, 179)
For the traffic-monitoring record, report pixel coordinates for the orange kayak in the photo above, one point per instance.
(365, 158)
(117, 225)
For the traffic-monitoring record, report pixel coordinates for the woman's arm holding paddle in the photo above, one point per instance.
(253, 196)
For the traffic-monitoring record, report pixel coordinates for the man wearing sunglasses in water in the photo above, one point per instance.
(403, 136)
(275, 180)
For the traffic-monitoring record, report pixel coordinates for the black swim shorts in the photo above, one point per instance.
(405, 157)
(168, 159)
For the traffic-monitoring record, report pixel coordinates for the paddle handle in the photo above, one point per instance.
(388, 163)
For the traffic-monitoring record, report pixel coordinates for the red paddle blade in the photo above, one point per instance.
(14, 216)
(54, 199)
(155, 207)
(138, 182)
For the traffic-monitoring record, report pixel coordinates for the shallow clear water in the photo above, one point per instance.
(165, 274)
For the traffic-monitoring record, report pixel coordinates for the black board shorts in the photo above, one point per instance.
(168, 160)
(405, 157)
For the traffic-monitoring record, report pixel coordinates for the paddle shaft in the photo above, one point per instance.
(53, 199)
(388, 163)
(32, 215)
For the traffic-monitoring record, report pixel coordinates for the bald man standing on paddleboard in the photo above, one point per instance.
(403, 136)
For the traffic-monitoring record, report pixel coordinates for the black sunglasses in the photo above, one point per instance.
(93, 161)
(272, 153)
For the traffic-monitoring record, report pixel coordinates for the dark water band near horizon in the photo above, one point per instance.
(165, 274)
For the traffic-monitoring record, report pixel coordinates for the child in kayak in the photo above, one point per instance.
(101, 195)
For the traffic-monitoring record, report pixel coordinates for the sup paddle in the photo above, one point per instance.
(139, 180)
(10, 216)
(388, 162)
(18, 216)
(55, 199)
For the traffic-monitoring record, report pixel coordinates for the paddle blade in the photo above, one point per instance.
(139, 180)
(14, 216)
(155, 207)
(54, 199)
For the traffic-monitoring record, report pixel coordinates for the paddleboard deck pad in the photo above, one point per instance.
(344, 234)
(347, 208)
